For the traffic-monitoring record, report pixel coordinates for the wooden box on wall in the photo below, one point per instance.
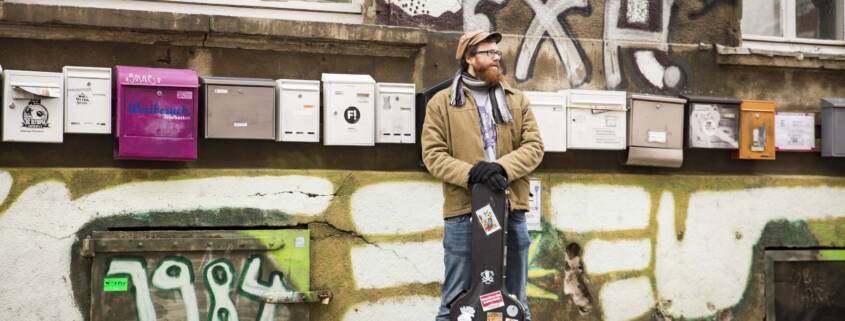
(756, 130)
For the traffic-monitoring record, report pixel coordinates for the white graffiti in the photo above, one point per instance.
(477, 21)
(626, 299)
(45, 218)
(545, 22)
(432, 8)
(276, 291)
(177, 274)
(220, 278)
(406, 308)
(645, 29)
(391, 264)
(467, 314)
(136, 271)
(601, 256)
(397, 207)
(585, 208)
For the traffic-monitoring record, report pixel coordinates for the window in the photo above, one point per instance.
(794, 25)
(343, 11)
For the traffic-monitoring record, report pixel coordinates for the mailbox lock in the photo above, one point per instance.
(657, 106)
(756, 115)
(240, 91)
(12, 106)
(158, 93)
(299, 96)
(88, 84)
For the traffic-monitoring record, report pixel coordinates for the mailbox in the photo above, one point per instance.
(349, 109)
(299, 110)
(713, 122)
(795, 132)
(756, 130)
(596, 119)
(550, 112)
(833, 127)
(33, 106)
(87, 100)
(243, 108)
(656, 127)
(156, 113)
(395, 115)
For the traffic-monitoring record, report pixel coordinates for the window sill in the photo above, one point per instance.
(51, 22)
(781, 57)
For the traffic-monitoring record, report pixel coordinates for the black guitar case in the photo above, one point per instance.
(487, 299)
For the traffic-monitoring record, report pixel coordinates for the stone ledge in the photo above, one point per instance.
(767, 58)
(112, 25)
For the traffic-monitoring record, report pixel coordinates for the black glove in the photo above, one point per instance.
(497, 182)
(481, 171)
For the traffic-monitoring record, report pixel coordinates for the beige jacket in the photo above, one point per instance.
(451, 145)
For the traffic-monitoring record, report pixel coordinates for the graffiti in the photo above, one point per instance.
(476, 19)
(176, 274)
(642, 28)
(546, 22)
(219, 277)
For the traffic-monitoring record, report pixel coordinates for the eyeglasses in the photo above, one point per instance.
(490, 53)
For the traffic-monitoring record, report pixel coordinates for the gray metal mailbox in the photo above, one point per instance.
(240, 108)
(833, 127)
(713, 122)
(655, 126)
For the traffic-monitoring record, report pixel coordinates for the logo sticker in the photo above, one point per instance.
(467, 313)
(512, 311)
(115, 284)
(509, 319)
(487, 277)
(492, 300)
(352, 114)
(494, 316)
(488, 220)
(184, 95)
(35, 115)
(82, 99)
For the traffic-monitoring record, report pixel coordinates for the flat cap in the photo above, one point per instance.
(472, 38)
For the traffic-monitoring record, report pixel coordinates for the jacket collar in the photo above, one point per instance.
(505, 85)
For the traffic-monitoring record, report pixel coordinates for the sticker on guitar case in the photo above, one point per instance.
(488, 220)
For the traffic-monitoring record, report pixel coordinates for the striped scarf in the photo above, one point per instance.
(501, 112)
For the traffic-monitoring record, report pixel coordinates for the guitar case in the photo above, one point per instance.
(487, 299)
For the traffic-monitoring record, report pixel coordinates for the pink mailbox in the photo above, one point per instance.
(156, 113)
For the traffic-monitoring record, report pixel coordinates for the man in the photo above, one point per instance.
(481, 131)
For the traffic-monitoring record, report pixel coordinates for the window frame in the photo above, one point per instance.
(790, 41)
(352, 12)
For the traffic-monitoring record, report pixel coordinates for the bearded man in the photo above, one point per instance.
(481, 131)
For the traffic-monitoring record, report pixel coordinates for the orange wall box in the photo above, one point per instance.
(756, 130)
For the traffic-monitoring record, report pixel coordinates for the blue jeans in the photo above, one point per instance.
(457, 241)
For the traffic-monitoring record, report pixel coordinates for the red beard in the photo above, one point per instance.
(489, 74)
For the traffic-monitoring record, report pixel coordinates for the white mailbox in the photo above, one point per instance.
(87, 100)
(550, 112)
(33, 108)
(348, 109)
(299, 110)
(795, 132)
(597, 119)
(395, 115)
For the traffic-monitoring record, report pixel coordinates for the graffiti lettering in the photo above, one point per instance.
(135, 269)
(474, 20)
(253, 287)
(219, 279)
(546, 22)
(175, 273)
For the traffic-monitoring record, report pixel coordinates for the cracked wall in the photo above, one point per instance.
(375, 236)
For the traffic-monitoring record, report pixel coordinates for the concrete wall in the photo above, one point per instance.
(612, 247)
(618, 242)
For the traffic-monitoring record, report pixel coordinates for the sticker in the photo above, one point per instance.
(184, 95)
(115, 284)
(512, 311)
(299, 242)
(307, 106)
(492, 300)
(35, 115)
(467, 313)
(494, 316)
(363, 94)
(656, 137)
(509, 319)
(532, 216)
(487, 277)
(82, 99)
(609, 121)
(352, 114)
(221, 91)
(488, 220)
(240, 124)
